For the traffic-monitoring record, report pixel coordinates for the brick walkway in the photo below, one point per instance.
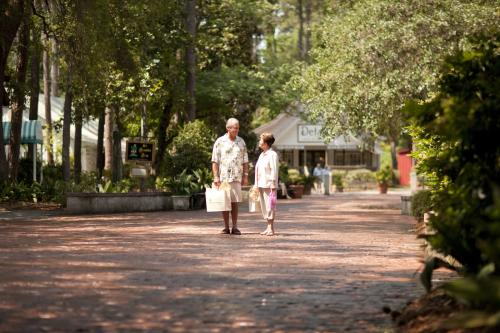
(334, 264)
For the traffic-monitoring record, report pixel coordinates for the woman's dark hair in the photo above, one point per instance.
(268, 138)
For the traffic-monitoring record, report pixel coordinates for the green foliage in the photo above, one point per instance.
(191, 149)
(338, 180)
(107, 187)
(481, 292)
(385, 52)
(308, 181)
(283, 175)
(22, 191)
(203, 179)
(294, 177)
(182, 184)
(421, 202)
(453, 135)
(384, 175)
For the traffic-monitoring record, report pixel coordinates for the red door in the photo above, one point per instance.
(404, 167)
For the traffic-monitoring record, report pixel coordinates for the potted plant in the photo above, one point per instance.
(295, 188)
(308, 182)
(383, 176)
(182, 187)
(203, 178)
(338, 182)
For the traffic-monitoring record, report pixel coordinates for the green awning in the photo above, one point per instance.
(31, 132)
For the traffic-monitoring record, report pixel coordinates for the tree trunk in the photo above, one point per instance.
(11, 14)
(117, 168)
(307, 46)
(300, 40)
(46, 100)
(191, 60)
(19, 99)
(144, 122)
(34, 80)
(162, 134)
(108, 139)
(100, 141)
(54, 69)
(66, 136)
(394, 155)
(77, 167)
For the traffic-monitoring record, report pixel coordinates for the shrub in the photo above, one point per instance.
(421, 203)
(338, 180)
(191, 149)
(453, 134)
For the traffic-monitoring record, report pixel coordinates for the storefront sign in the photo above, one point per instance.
(309, 133)
(140, 151)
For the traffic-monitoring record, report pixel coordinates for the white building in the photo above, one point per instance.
(299, 143)
(89, 133)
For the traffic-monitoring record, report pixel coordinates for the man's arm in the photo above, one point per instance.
(244, 181)
(215, 172)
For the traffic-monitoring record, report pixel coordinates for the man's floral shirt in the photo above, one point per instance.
(230, 156)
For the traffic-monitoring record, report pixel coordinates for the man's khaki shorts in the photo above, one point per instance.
(236, 195)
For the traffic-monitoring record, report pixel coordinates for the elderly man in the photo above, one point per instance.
(230, 163)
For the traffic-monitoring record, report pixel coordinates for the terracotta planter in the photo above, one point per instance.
(382, 188)
(296, 191)
(307, 189)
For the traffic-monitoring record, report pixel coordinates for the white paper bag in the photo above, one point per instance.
(253, 206)
(217, 200)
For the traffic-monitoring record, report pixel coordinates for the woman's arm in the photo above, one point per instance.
(274, 166)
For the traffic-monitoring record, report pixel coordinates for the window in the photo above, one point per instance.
(286, 156)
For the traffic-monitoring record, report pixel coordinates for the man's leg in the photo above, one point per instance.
(225, 216)
(234, 214)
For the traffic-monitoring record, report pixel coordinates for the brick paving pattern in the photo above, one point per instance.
(335, 262)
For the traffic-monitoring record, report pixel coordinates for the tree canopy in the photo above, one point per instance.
(374, 55)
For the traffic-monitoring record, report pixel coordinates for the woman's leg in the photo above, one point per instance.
(267, 212)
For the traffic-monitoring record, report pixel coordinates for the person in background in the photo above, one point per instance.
(318, 173)
(266, 179)
(230, 164)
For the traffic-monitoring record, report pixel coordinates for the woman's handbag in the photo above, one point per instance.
(273, 197)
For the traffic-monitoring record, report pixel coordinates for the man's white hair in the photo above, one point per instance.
(232, 121)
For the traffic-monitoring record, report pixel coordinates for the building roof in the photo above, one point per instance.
(291, 132)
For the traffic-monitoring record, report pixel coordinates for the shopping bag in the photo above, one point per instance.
(254, 200)
(273, 197)
(253, 206)
(218, 200)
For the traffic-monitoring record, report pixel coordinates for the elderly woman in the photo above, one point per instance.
(266, 179)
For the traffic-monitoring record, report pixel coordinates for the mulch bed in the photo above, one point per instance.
(23, 205)
(429, 313)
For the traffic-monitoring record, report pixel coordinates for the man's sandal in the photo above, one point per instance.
(235, 231)
(225, 232)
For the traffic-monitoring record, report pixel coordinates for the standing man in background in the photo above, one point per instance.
(230, 164)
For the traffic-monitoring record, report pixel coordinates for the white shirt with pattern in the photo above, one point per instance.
(230, 156)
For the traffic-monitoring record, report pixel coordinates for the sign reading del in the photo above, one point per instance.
(140, 151)
(309, 133)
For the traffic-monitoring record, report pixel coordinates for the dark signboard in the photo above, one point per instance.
(140, 151)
